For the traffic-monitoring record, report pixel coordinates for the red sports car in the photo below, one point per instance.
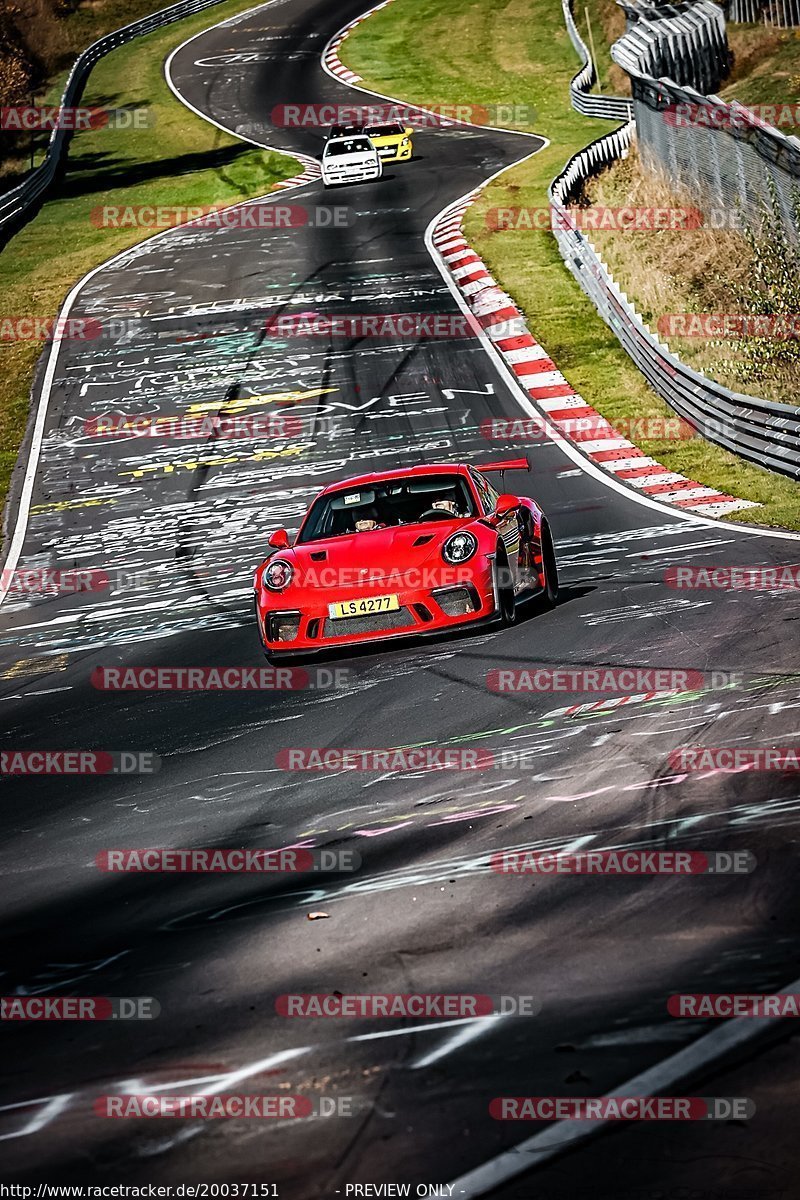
(412, 551)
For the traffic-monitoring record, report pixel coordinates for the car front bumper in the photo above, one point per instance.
(352, 175)
(395, 153)
(422, 611)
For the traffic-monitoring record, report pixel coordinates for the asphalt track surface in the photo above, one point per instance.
(179, 528)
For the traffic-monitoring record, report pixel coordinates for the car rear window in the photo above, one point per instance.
(385, 130)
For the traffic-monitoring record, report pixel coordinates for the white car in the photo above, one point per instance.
(350, 158)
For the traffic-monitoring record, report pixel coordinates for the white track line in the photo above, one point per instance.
(571, 450)
(563, 1135)
(37, 436)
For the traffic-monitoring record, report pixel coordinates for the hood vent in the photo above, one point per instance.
(423, 539)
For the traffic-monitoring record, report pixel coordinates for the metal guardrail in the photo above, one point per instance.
(686, 42)
(720, 152)
(584, 101)
(763, 431)
(19, 203)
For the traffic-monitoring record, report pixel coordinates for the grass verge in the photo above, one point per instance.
(680, 271)
(766, 71)
(48, 36)
(487, 52)
(179, 160)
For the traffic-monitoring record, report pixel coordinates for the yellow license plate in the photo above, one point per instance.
(366, 607)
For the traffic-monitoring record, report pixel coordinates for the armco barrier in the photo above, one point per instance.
(584, 101)
(19, 204)
(688, 43)
(720, 153)
(762, 431)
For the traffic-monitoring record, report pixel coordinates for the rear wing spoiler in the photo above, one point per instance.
(507, 464)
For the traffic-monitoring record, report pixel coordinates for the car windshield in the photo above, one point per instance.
(385, 130)
(391, 502)
(348, 146)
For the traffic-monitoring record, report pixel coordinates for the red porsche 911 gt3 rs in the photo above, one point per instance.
(414, 551)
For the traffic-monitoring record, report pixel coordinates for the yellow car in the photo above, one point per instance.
(393, 142)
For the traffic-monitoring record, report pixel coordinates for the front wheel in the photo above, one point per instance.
(549, 568)
(506, 602)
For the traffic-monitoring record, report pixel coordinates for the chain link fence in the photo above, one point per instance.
(20, 203)
(723, 154)
(763, 431)
(777, 14)
(720, 153)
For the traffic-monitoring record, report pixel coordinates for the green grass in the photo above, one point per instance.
(517, 51)
(607, 23)
(766, 70)
(59, 37)
(179, 160)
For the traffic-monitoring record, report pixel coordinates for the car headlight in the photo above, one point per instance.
(278, 575)
(459, 547)
(405, 142)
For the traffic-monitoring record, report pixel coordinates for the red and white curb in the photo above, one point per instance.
(311, 171)
(331, 55)
(503, 322)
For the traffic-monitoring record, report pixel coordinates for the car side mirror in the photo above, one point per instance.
(279, 539)
(505, 505)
